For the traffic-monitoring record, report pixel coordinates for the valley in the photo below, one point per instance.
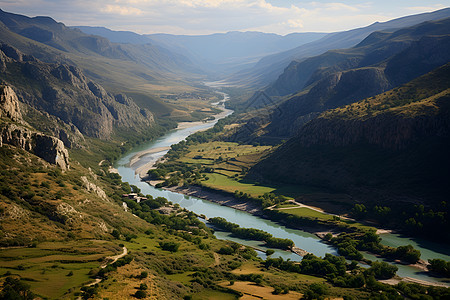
(238, 165)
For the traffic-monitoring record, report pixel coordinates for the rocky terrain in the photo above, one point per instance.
(64, 92)
(19, 134)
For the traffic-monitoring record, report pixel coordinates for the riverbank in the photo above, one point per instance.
(219, 198)
(159, 152)
(230, 201)
(235, 207)
(319, 230)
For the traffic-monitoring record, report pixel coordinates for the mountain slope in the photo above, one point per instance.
(339, 77)
(232, 51)
(372, 51)
(269, 68)
(49, 32)
(396, 143)
(64, 92)
(145, 70)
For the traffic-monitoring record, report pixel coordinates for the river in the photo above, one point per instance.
(148, 153)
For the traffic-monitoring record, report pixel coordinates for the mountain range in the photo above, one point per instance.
(270, 67)
(338, 77)
(395, 143)
(216, 53)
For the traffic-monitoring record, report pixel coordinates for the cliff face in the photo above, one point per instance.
(64, 92)
(389, 130)
(17, 134)
(9, 104)
(334, 90)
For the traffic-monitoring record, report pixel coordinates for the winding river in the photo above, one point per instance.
(135, 161)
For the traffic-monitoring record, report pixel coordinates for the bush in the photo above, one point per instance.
(316, 291)
(140, 294)
(143, 275)
(169, 246)
(382, 270)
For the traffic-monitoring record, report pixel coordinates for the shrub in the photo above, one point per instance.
(140, 294)
(169, 246)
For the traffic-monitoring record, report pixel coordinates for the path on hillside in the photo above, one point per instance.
(109, 260)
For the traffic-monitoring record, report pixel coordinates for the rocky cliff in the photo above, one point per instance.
(9, 104)
(64, 92)
(18, 134)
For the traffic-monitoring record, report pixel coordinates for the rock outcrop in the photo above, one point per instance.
(49, 148)
(9, 104)
(46, 147)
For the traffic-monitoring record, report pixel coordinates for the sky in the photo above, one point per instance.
(211, 16)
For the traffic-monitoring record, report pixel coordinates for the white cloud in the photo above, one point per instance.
(208, 16)
(122, 10)
(340, 7)
(294, 24)
(426, 8)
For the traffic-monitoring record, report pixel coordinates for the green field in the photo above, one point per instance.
(52, 268)
(227, 184)
(307, 212)
(230, 163)
(310, 213)
(211, 294)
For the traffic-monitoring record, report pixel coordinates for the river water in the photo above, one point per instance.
(302, 239)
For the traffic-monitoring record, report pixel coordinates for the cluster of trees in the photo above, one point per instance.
(251, 234)
(350, 243)
(237, 250)
(416, 220)
(349, 275)
(334, 268)
(179, 172)
(179, 224)
(269, 199)
(169, 246)
(440, 267)
(14, 288)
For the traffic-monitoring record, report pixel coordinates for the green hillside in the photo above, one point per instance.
(388, 150)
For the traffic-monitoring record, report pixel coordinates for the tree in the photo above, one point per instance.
(269, 252)
(316, 291)
(169, 246)
(140, 294)
(382, 270)
(14, 288)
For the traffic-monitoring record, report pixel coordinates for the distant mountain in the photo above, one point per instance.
(396, 143)
(269, 68)
(339, 77)
(122, 37)
(226, 52)
(50, 41)
(213, 53)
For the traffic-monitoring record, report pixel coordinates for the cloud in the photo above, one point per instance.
(426, 8)
(208, 16)
(294, 23)
(122, 10)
